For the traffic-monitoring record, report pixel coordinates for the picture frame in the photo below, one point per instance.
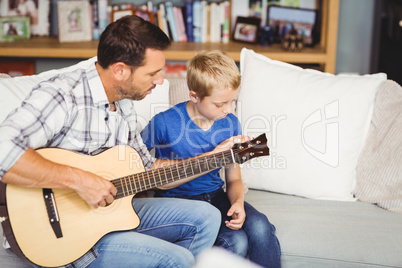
(38, 12)
(246, 29)
(14, 28)
(74, 21)
(282, 19)
(146, 15)
(120, 13)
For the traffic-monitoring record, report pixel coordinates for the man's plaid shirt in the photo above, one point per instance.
(70, 111)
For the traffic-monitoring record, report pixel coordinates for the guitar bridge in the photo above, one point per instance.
(52, 212)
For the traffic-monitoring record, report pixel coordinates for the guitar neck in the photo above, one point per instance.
(130, 185)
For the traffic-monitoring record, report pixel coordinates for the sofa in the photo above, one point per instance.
(332, 184)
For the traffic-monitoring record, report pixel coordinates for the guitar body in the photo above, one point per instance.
(81, 225)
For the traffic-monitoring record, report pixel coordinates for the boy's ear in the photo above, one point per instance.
(193, 96)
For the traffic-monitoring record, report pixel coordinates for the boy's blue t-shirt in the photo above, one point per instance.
(175, 136)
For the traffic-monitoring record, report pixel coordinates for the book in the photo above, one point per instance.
(103, 16)
(171, 19)
(204, 21)
(214, 28)
(162, 20)
(95, 19)
(181, 28)
(189, 20)
(197, 21)
(226, 21)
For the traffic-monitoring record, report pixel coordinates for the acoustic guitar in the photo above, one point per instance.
(54, 227)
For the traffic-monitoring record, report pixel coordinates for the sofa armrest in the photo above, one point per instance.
(4, 75)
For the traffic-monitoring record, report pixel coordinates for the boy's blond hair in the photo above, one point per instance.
(209, 70)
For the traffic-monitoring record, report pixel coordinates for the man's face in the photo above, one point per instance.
(145, 78)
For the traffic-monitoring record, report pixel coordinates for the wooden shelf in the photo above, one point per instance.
(50, 47)
(323, 53)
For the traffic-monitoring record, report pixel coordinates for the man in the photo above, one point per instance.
(87, 111)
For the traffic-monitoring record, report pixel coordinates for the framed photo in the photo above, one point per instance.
(38, 12)
(283, 19)
(246, 29)
(14, 28)
(146, 15)
(74, 21)
(120, 13)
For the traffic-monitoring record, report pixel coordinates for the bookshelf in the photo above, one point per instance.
(323, 53)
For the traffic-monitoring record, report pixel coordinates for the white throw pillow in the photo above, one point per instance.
(152, 104)
(316, 125)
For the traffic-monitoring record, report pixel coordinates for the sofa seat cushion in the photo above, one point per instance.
(322, 233)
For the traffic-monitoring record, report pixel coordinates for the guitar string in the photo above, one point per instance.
(174, 170)
(143, 179)
(136, 179)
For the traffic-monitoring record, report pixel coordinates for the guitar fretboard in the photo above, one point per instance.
(130, 185)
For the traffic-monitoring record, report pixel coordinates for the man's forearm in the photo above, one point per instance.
(32, 170)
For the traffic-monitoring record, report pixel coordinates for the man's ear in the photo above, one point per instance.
(194, 97)
(120, 71)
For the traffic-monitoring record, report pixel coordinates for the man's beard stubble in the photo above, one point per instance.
(128, 91)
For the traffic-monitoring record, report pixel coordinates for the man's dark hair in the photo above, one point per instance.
(126, 40)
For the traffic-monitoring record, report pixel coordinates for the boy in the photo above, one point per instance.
(199, 125)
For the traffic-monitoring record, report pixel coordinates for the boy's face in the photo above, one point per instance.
(217, 105)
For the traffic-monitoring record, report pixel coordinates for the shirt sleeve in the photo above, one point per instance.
(237, 128)
(153, 134)
(32, 125)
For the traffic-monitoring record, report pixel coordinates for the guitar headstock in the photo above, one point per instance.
(251, 149)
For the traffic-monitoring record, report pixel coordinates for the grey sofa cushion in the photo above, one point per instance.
(315, 233)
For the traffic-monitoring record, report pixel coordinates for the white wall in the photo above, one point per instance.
(355, 35)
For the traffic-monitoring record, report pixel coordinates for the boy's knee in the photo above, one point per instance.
(236, 242)
(261, 224)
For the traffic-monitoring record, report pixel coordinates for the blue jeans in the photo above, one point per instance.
(171, 233)
(256, 238)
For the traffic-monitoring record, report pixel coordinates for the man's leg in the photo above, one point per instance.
(135, 250)
(191, 224)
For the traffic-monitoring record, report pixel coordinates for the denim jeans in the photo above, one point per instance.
(256, 238)
(171, 233)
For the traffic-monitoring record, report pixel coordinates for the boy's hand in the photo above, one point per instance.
(228, 144)
(238, 215)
